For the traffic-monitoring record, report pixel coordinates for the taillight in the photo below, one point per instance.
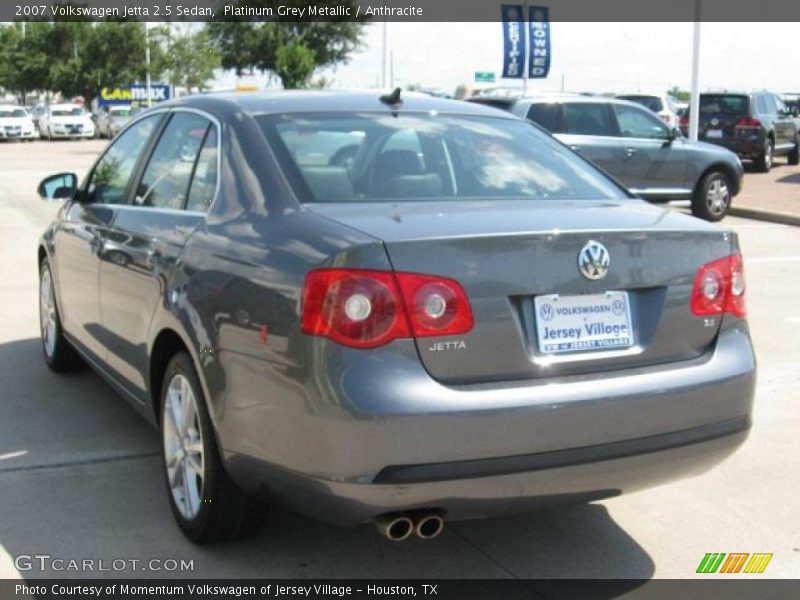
(684, 121)
(436, 305)
(719, 288)
(365, 308)
(748, 123)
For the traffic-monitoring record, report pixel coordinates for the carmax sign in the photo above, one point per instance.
(134, 94)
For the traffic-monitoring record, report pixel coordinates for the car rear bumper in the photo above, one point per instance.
(641, 463)
(749, 148)
(383, 436)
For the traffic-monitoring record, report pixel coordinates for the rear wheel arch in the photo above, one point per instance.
(167, 344)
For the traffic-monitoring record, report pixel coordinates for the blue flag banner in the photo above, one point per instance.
(514, 40)
(539, 27)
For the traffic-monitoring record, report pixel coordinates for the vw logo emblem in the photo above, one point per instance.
(546, 312)
(593, 260)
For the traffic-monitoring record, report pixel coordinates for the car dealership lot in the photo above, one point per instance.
(80, 474)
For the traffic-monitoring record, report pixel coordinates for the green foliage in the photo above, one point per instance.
(245, 45)
(190, 59)
(294, 64)
(679, 94)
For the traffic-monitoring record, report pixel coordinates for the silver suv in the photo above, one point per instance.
(633, 145)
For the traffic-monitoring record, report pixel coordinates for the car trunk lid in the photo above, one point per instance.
(508, 254)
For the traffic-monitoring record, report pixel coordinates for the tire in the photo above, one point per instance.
(712, 197)
(49, 135)
(764, 162)
(205, 502)
(794, 155)
(59, 354)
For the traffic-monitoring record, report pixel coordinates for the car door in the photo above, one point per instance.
(784, 126)
(82, 230)
(656, 162)
(589, 129)
(175, 187)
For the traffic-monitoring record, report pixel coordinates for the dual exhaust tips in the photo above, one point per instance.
(400, 527)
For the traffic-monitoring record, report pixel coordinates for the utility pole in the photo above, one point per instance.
(383, 54)
(694, 102)
(147, 63)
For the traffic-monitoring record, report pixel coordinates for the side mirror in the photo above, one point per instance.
(61, 186)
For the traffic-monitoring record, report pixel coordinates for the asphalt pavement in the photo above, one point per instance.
(80, 476)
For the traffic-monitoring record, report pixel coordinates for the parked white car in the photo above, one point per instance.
(15, 123)
(65, 121)
(664, 105)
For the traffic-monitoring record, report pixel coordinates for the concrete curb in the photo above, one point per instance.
(764, 215)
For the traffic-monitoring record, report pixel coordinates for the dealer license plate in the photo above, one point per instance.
(583, 323)
(714, 133)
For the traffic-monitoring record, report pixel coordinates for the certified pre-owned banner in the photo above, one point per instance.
(514, 40)
(539, 57)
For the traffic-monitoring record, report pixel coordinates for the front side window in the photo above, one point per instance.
(635, 123)
(108, 183)
(431, 157)
(165, 182)
(585, 118)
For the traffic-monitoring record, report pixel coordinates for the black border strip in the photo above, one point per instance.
(559, 458)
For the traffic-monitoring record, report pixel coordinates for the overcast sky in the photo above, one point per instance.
(591, 56)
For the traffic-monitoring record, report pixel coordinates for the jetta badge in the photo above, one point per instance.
(593, 260)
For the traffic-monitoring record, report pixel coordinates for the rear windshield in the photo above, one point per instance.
(724, 104)
(352, 157)
(6, 113)
(654, 103)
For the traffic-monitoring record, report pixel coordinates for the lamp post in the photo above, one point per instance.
(694, 101)
(147, 64)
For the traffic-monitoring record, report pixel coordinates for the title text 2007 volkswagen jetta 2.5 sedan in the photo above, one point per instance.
(392, 309)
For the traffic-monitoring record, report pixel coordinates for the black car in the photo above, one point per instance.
(756, 126)
(633, 145)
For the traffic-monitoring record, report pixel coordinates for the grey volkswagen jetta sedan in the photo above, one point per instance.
(399, 310)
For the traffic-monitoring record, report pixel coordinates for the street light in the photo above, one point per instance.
(147, 63)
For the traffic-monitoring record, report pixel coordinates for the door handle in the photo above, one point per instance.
(153, 259)
(630, 151)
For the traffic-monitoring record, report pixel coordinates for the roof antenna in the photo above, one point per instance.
(392, 97)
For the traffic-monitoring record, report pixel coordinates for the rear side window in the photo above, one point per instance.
(111, 176)
(165, 182)
(204, 179)
(585, 118)
(545, 115)
(653, 103)
(724, 104)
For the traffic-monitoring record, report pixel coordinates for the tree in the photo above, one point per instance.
(246, 45)
(190, 60)
(679, 94)
(24, 66)
(294, 64)
(235, 42)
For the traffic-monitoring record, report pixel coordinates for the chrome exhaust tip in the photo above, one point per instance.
(395, 527)
(429, 527)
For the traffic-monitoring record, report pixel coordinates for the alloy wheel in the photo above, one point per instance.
(717, 196)
(183, 447)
